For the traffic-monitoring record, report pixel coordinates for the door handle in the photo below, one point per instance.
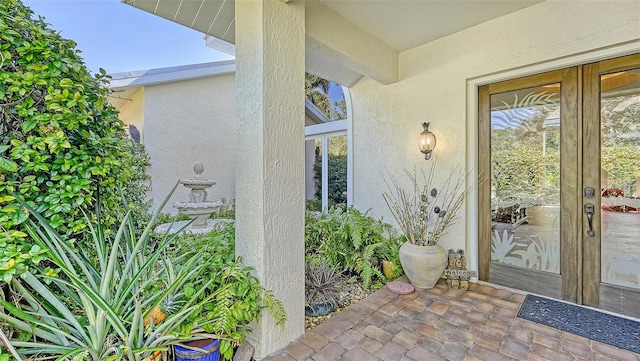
(589, 210)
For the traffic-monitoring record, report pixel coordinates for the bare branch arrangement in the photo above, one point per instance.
(424, 212)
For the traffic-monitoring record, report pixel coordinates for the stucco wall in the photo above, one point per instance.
(186, 114)
(132, 112)
(433, 88)
(189, 121)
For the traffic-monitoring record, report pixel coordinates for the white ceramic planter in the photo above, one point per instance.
(423, 265)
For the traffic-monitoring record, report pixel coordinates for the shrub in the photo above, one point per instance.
(322, 286)
(62, 146)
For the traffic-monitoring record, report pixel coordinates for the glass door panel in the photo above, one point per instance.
(620, 178)
(326, 171)
(525, 178)
(559, 189)
(527, 156)
(611, 166)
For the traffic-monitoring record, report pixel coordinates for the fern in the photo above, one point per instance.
(364, 266)
(275, 307)
(349, 240)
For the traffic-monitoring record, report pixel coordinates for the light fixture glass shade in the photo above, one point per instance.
(426, 141)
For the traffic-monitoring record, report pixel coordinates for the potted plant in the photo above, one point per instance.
(233, 298)
(323, 285)
(424, 212)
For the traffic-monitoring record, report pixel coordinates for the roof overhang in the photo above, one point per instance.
(346, 40)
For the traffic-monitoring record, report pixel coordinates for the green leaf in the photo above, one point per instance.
(8, 165)
(28, 125)
(20, 216)
(66, 83)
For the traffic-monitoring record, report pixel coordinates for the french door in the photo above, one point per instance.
(559, 193)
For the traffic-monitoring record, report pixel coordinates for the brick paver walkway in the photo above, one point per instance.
(442, 324)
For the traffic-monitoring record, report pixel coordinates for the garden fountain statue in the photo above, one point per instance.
(198, 208)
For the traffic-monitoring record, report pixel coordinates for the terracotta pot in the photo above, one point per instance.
(423, 265)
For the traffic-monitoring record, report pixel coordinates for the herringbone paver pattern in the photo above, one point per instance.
(442, 324)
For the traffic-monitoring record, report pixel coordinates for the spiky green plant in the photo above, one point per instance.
(98, 306)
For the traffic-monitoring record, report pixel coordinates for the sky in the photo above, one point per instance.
(119, 38)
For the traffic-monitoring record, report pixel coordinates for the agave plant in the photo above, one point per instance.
(96, 309)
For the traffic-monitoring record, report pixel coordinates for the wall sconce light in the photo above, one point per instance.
(426, 141)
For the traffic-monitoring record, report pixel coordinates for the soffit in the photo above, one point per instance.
(211, 17)
(400, 24)
(118, 98)
(406, 24)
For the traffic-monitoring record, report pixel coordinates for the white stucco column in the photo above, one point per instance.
(270, 158)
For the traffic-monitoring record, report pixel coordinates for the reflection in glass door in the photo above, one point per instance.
(559, 192)
(620, 174)
(525, 178)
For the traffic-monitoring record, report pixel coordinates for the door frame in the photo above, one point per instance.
(566, 285)
(610, 297)
(517, 69)
(580, 267)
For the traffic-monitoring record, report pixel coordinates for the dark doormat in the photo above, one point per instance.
(599, 326)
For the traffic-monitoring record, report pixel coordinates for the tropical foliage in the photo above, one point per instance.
(348, 240)
(525, 149)
(317, 91)
(96, 309)
(233, 298)
(62, 146)
(322, 284)
(337, 172)
(525, 146)
(137, 297)
(620, 138)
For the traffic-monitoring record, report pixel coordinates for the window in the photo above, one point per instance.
(328, 155)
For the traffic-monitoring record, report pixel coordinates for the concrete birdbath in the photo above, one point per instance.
(198, 207)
